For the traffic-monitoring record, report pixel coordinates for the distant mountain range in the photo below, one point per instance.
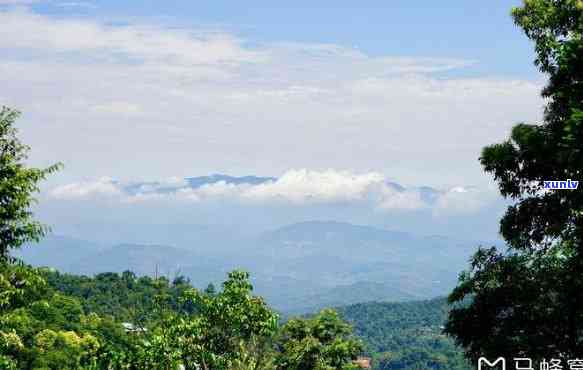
(298, 268)
(194, 183)
(199, 181)
(427, 194)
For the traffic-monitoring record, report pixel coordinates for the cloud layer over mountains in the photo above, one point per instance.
(294, 187)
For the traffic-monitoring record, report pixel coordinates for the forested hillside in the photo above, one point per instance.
(112, 321)
(405, 335)
(396, 335)
(125, 297)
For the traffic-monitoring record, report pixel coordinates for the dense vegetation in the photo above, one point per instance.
(405, 335)
(527, 301)
(124, 296)
(171, 324)
(395, 335)
(43, 329)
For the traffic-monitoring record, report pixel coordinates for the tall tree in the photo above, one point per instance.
(227, 326)
(527, 301)
(323, 342)
(19, 285)
(18, 183)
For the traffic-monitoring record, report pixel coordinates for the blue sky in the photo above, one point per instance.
(481, 31)
(334, 98)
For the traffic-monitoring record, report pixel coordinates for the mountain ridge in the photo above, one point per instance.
(297, 266)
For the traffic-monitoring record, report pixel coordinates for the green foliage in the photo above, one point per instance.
(43, 329)
(405, 335)
(19, 285)
(63, 350)
(224, 323)
(175, 324)
(18, 183)
(50, 330)
(226, 329)
(125, 296)
(323, 342)
(527, 301)
(230, 328)
(10, 346)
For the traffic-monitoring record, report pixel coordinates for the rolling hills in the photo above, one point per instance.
(298, 268)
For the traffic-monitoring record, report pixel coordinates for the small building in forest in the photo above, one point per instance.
(131, 328)
(363, 362)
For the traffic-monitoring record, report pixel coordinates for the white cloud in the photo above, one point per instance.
(294, 188)
(147, 43)
(143, 100)
(102, 187)
(301, 186)
(409, 199)
(463, 200)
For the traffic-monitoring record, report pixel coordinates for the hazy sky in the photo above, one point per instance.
(151, 89)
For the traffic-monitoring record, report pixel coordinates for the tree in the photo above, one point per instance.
(527, 301)
(18, 183)
(230, 329)
(324, 342)
(64, 350)
(231, 326)
(18, 284)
